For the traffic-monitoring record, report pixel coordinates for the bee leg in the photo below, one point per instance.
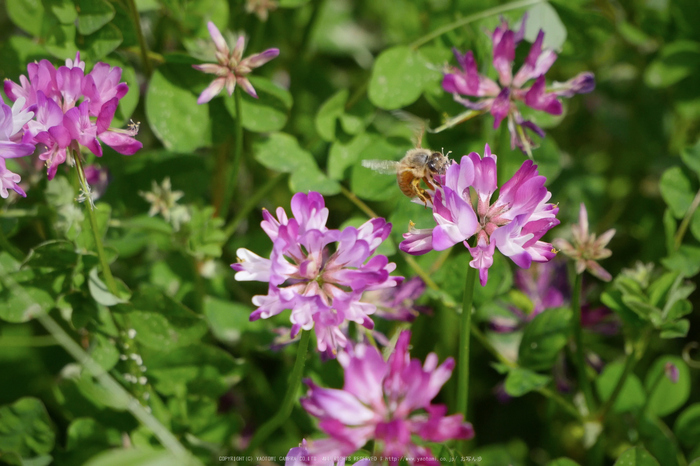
(428, 184)
(420, 192)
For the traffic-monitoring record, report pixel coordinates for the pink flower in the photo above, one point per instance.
(501, 98)
(72, 109)
(398, 303)
(514, 223)
(323, 287)
(12, 119)
(231, 68)
(385, 401)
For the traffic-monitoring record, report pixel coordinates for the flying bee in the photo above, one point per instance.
(418, 164)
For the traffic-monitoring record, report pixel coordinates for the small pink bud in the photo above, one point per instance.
(671, 372)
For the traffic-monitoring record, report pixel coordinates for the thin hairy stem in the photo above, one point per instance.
(145, 59)
(678, 239)
(464, 338)
(584, 383)
(250, 204)
(235, 166)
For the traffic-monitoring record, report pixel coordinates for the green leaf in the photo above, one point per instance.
(544, 338)
(54, 254)
(227, 320)
(676, 190)
(329, 113)
(632, 395)
(93, 14)
(636, 456)
(196, 369)
(98, 45)
(313, 179)
(678, 329)
(562, 462)
(544, 16)
(26, 429)
(138, 457)
(659, 440)
(269, 112)
(281, 152)
(521, 381)
(670, 227)
(691, 157)
(162, 323)
(667, 397)
(677, 61)
(172, 110)
(22, 303)
(26, 14)
(356, 118)
(99, 291)
(369, 184)
(85, 241)
(687, 426)
(686, 260)
(63, 10)
(398, 78)
(344, 154)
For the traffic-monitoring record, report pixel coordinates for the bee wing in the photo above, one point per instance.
(386, 167)
(416, 124)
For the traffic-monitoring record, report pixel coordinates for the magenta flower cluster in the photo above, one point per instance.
(385, 401)
(500, 98)
(514, 223)
(70, 109)
(322, 287)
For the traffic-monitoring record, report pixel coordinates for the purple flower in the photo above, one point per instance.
(322, 287)
(514, 223)
(72, 109)
(9, 180)
(501, 98)
(231, 68)
(387, 401)
(398, 303)
(98, 178)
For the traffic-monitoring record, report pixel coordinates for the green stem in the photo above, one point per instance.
(471, 18)
(9, 247)
(37, 341)
(464, 332)
(578, 340)
(568, 407)
(654, 384)
(358, 202)
(686, 221)
(310, 26)
(145, 59)
(289, 398)
(250, 204)
(629, 365)
(109, 278)
(234, 168)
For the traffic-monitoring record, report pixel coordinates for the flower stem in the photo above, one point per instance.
(464, 332)
(629, 365)
(578, 340)
(289, 398)
(686, 221)
(109, 278)
(234, 168)
(146, 61)
(250, 204)
(471, 18)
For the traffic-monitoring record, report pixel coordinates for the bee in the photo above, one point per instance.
(418, 164)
